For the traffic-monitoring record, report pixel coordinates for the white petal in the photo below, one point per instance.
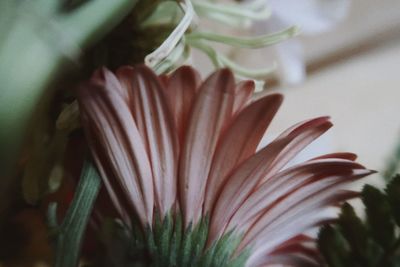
(312, 16)
(291, 67)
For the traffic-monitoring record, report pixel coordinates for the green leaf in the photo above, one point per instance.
(353, 229)
(333, 246)
(70, 235)
(379, 217)
(70, 5)
(373, 243)
(36, 30)
(363, 249)
(393, 193)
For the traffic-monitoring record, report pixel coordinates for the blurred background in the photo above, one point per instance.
(353, 75)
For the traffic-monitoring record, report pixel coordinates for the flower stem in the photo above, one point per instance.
(70, 234)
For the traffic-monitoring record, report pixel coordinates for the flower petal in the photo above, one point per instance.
(155, 123)
(291, 68)
(181, 89)
(338, 155)
(312, 16)
(244, 91)
(103, 76)
(115, 192)
(298, 211)
(211, 112)
(299, 250)
(125, 154)
(240, 142)
(282, 184)
(261, 167)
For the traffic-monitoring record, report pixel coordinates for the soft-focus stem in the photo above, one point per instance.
(71, 232)
(40, 44)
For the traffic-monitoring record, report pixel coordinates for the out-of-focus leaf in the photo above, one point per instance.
(353, 229)
(70, 5)
(364, 250)
(333, 246)
(373, 243)
(379, 217)
(40, 44)
(393, 193)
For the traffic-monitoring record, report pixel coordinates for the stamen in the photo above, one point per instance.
(249, 42)
(173, 39)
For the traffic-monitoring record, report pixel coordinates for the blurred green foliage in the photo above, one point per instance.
(374, 242)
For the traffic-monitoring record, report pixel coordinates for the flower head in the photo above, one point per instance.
(174, 147)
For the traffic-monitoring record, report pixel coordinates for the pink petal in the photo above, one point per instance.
(125, 153)
(117, 196)
(211, 112)
(103, 76)
(155, 123)
(261, 166)
(244, 92)
(240, 142)
(298, 211)
(283, 183)
(338, 155)
(181, 89)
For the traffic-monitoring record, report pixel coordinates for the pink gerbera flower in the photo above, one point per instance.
(180, 156)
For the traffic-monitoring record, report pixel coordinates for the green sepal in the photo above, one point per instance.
(176, 240)
(220, 252)
(184, 251)
(379, 216)
(225, 248)
(167, 244)
(200, 234)
(165, 238)
(241, 259)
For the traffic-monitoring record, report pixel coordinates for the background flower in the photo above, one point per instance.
(312, 17)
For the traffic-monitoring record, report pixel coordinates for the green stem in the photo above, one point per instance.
(70, 234)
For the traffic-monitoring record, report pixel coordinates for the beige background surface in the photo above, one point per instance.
(354, 76)
(362, 95)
